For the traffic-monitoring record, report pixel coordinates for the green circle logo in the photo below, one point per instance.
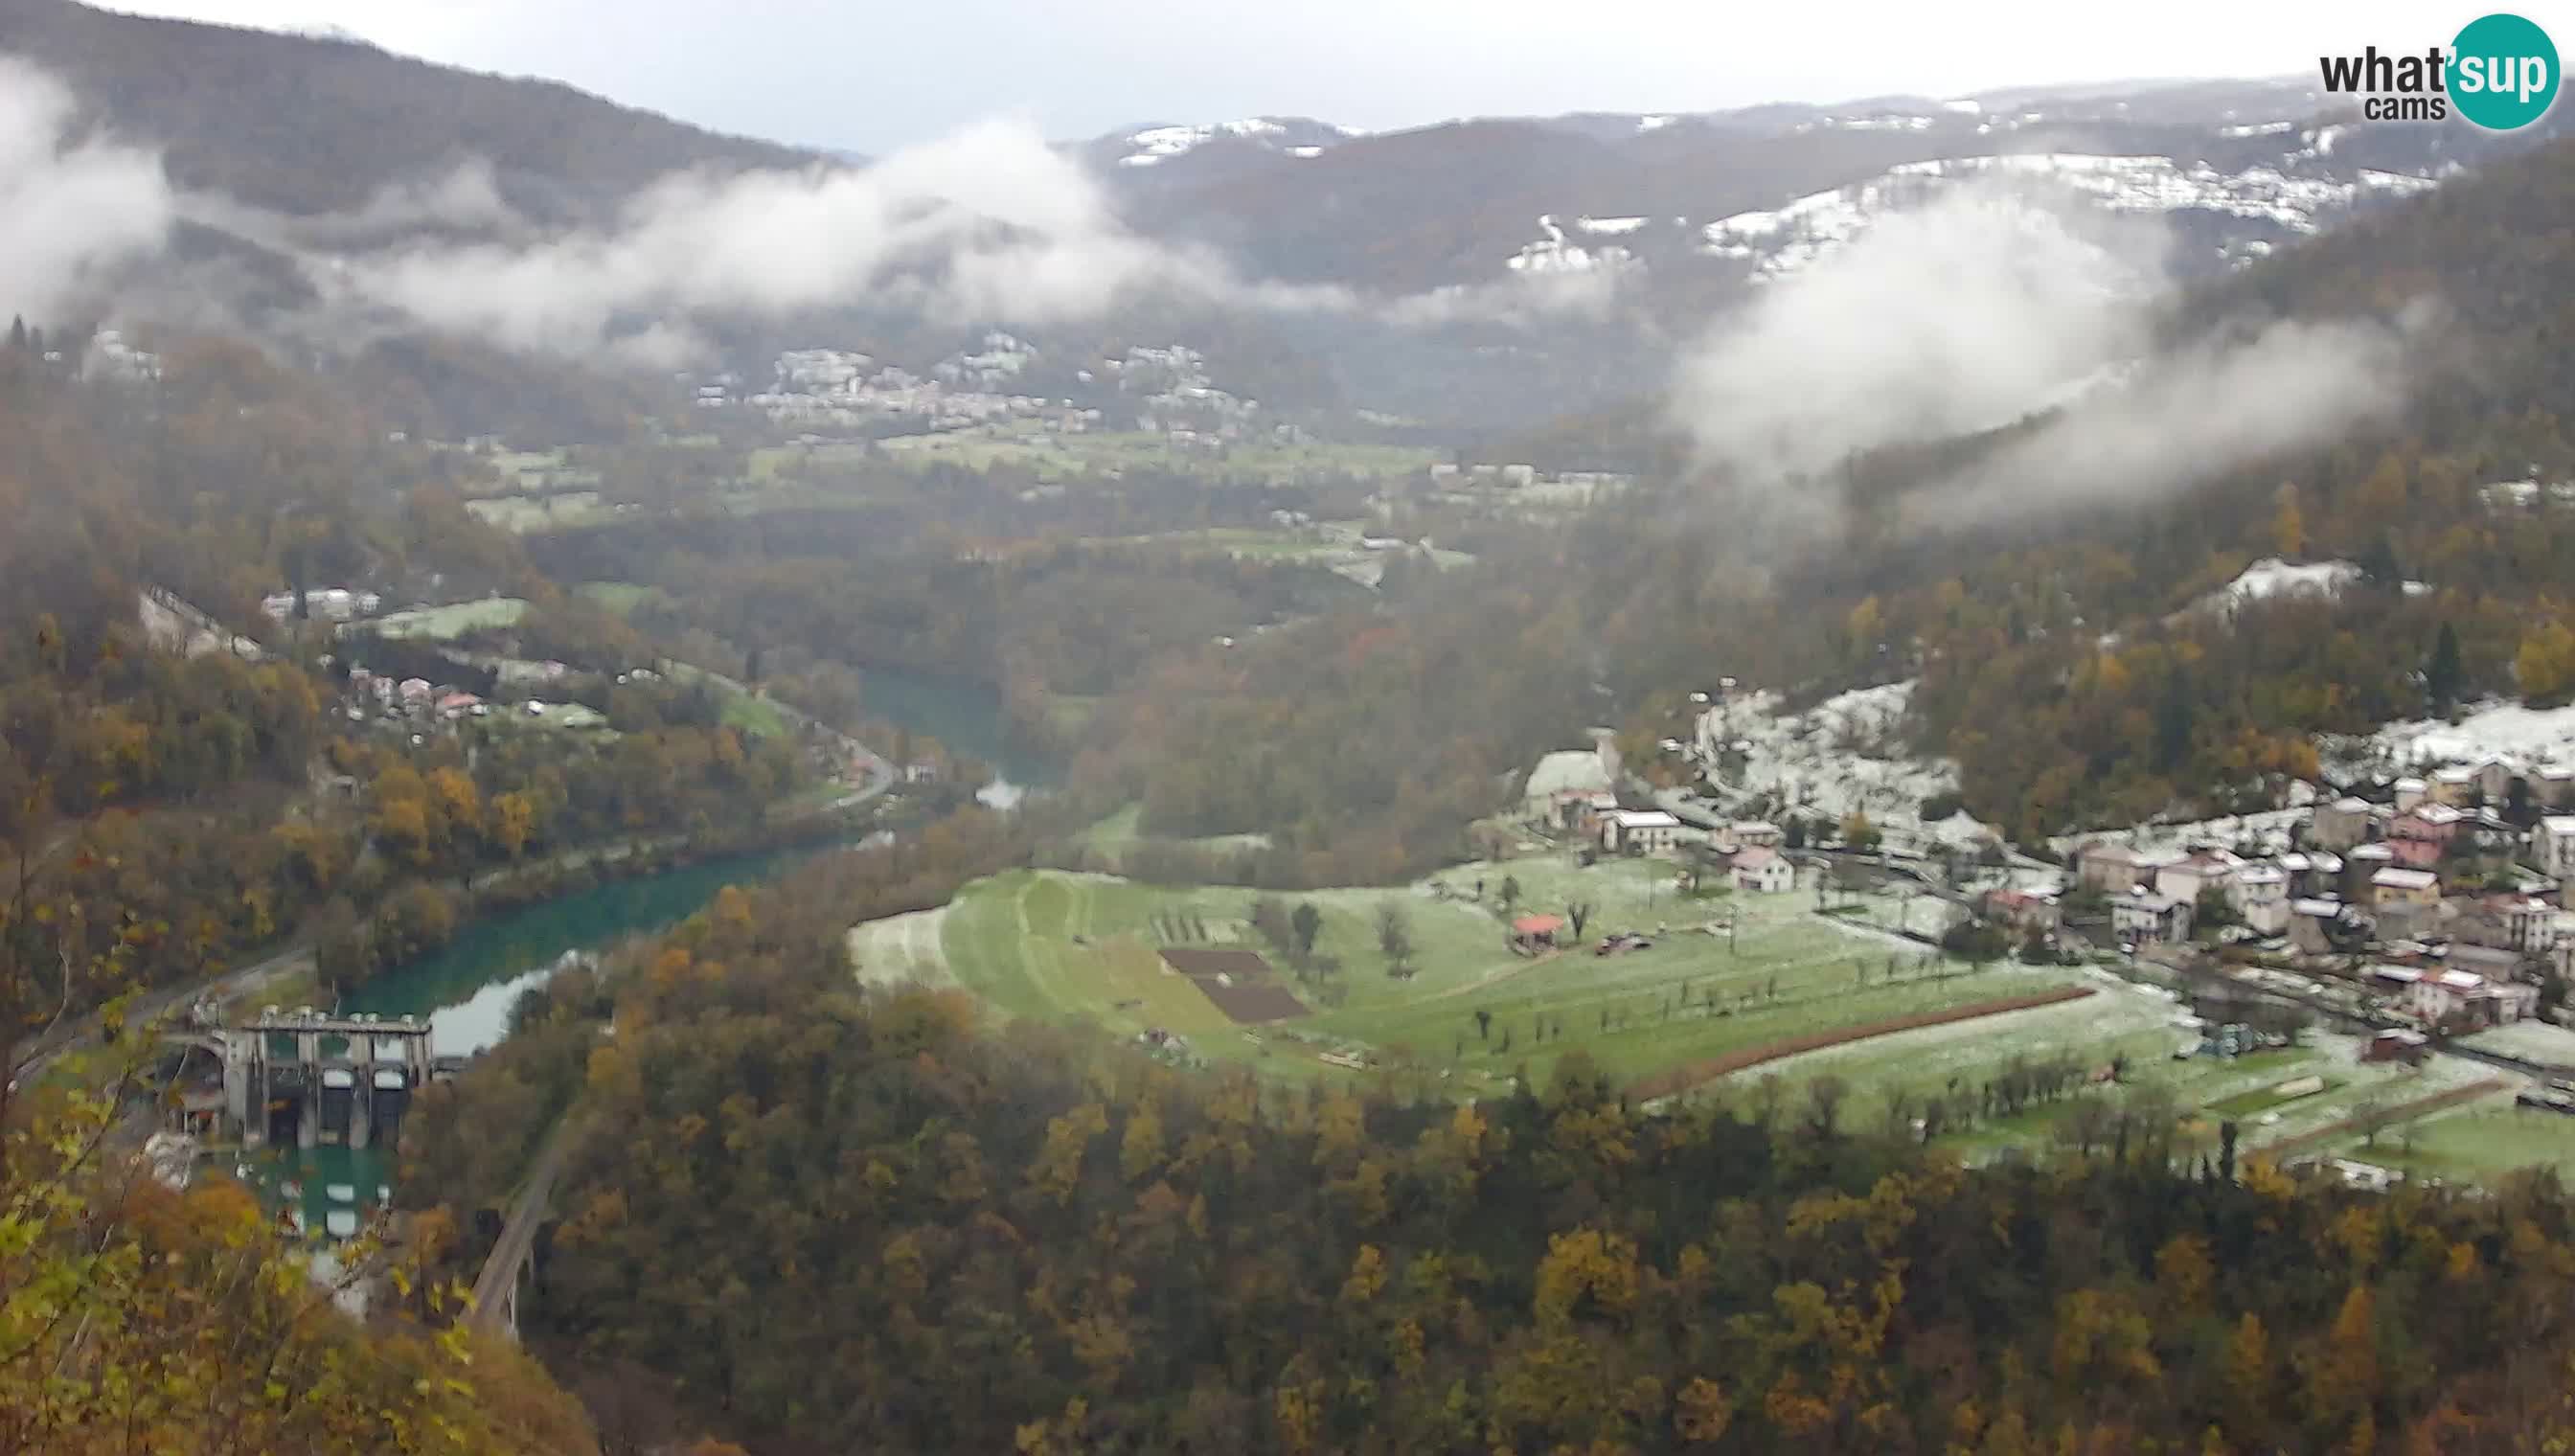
(2503, 72)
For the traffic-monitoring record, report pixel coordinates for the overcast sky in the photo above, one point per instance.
(871, 75)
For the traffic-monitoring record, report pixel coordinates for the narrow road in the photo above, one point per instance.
(82, 1031)
(517, 1234)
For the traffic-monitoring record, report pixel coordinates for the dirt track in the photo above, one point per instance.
(1683, 1078)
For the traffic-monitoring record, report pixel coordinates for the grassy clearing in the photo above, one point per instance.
(900, 948)
(1691, 995)
(522, 515)
(1123, 830)
(1058, 457)
(447, 624)
(620, 598)
(1012, 939)
(2476, 1142)
(1081, 949)
(754, 713)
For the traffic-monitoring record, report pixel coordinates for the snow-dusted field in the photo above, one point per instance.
(2530, 736)
(2534, 1040)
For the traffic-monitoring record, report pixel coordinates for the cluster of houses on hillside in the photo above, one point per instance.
(1573, 792)
(2456, 908)
(2446, 897)
(844, 390)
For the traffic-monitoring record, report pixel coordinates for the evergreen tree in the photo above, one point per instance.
(2441, 679)
(2378, 564)
(2173, 722)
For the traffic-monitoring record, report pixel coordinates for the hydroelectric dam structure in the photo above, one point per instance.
(308, 1079)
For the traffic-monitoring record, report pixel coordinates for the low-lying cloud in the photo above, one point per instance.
(989, 224)
(1955, 318)
(2186, 416)
(76, 208)
(1985, 308)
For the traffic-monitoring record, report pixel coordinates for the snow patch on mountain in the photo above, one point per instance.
(1610, 226)
(2258, 129)
(1155, 145)
(1553, 255)
(1784, 239)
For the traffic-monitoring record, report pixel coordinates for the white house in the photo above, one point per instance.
(2195, 873)
(2468, 997)
(2552, 846)
(2261, 896)
(1638, 831)
(2141, 915)
(2531, 924)
(2395, 886)
(1763, 872)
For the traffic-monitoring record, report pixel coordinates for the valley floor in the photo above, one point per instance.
(1726, 975)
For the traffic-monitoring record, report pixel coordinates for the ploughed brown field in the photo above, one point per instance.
(1240, 982)
(1683, 1078)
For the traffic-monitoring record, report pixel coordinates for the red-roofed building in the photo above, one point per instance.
(1763, 872)
(1536, 930)
(2031, 915)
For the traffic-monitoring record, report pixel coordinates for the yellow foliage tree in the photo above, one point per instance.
(2545, 665)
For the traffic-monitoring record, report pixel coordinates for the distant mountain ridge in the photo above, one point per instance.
(2240, 166)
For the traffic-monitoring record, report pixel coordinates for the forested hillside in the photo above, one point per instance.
(843, 1219)
(307, 126)
(2058, 665)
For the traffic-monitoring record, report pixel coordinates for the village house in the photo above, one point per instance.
(2397, 886)
(2531, 924)
(1753, 834)
(2422, 835)
(2311, 872)
(2260, 895)
(2411, 791)
(2339, 824)
(2494, 962)
(2142, 915)
(2363, 861)
(2026, 914)
(2553, 787)
(2113, 868)
(2552, 846)
(2397, 1044)
(415, 691)
(1566, 788)
(2455, 998)
(1640, 831)
(2495, 779)
(2195, 873)
(2313, 923)
(2455, 787)
(1763, 870)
